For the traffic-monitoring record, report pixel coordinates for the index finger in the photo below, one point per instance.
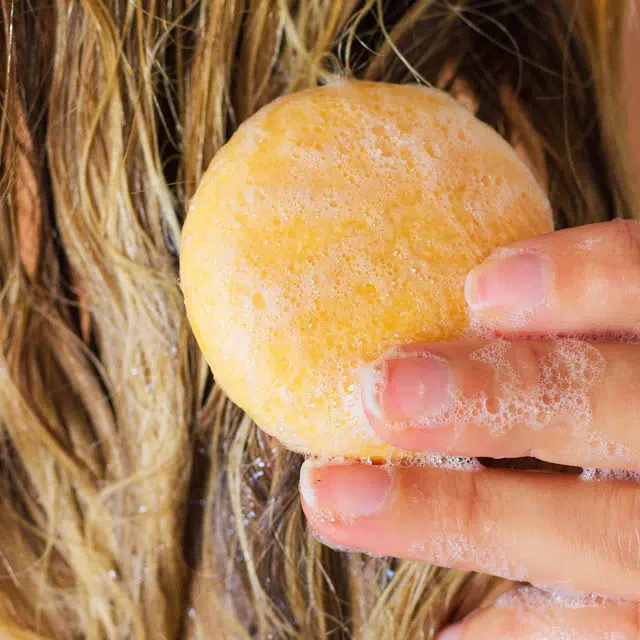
(580, 280)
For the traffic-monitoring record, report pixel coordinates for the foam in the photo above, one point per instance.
(609, 475)
(461, 551)
(589, 243)
(565, 378)
(564, 592)
(442, 461)
(542, 615)
(556, 596)
(412, 459)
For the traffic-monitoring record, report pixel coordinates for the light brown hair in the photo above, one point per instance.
(137, 501)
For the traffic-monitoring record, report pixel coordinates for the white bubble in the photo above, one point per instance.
(462, 551)
(558, 387)
(440, 461)
(542, 615)
(555, 595)
(608, 475)
(589, 243)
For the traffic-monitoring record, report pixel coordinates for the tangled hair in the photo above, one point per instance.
(137, 501)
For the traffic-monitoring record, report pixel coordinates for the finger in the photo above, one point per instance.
(540, 527)
(531, 614)
(565, 401)
(580, 280)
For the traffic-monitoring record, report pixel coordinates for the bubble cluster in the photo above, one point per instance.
(338, 223)
(565, 595)
(558, 386)
(462, 551)
(441, 461)
(608, 475)
(589, 243)
(546, 615)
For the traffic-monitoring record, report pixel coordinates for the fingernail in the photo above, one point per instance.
(508, 281)
(371, 381)
(453, 632)
(349, 491)
(405, 390)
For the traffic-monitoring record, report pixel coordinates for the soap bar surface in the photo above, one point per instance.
(335, 224)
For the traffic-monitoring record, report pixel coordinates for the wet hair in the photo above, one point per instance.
(137, 501)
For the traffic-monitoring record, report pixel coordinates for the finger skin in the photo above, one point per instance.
(593, 283)
(529, 614)
(566, 401)
(543, 528)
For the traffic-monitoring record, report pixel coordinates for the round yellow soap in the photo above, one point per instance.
(335, 224)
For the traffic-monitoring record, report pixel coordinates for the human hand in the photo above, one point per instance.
(530, 391)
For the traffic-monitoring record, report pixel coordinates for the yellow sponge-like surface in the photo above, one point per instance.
(337, 223)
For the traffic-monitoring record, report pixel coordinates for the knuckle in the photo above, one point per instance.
(523, 371)
(633, 525)
(476, 504)
(624, 535)
(456, 502)
(525, 357)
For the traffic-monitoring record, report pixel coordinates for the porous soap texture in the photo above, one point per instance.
(338, 223)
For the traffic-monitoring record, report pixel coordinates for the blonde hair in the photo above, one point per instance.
(137, 500)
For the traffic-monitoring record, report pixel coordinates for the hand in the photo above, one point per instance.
(574, 401)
